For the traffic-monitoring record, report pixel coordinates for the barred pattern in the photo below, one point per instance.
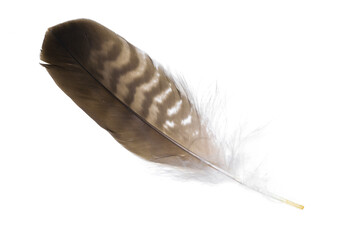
(145, 87)
(122, 89)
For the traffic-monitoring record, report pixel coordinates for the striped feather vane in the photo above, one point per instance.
(132, 97)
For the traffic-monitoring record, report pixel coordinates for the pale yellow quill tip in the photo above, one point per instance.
(294, 204)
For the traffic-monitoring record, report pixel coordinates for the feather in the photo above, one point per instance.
(141, 105)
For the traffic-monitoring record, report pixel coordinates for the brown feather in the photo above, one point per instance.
(121, 88)
(135, 100)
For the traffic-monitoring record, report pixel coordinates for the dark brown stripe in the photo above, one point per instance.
(117, 72)
(149, 96)
(110, 55)
(144, 78)
(171, 99)
(183, 112)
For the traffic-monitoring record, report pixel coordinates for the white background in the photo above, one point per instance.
(292, 66)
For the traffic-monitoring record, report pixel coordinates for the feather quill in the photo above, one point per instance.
(132, 97)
